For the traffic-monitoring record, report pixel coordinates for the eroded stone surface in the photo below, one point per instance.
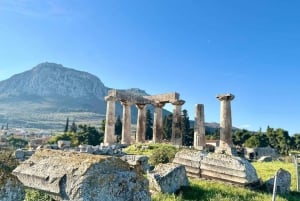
(222, 167)
(139, 162)
(10, 188)
(81, 176)
(228, 168)
(191, 159)
(168, 178)
(283, 182)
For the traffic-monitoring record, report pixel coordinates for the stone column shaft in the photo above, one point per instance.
(226, 124)
(126, 124)
(109, 134)
(141, 123)
(176, 137)
(157, 123)
(199, 127)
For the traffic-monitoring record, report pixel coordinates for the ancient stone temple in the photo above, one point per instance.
(127, 99)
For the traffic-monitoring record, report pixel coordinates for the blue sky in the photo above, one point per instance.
(194, 47)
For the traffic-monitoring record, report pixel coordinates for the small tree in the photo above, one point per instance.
(167, 127)
(187, 134)
(73, 127)
(149, 125)
(118, 128)
(67, 126)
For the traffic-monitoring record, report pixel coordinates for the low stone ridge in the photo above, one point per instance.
(168, 178)
(81, 176)
(283, 182)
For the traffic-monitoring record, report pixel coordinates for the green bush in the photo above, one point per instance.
(163, 154)
(34, 195)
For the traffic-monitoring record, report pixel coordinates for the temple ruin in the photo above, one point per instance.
(127, 99)
(223, 164)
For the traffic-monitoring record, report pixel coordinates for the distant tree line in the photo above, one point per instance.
(81, 134)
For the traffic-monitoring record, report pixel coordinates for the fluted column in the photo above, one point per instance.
(157, 122)
(109, 134)
(141, 123)
(199, 127)
(225, 123)
(126, 126)
(176, 137)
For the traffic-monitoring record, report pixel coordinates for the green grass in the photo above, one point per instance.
(207, 190)
(140, 149)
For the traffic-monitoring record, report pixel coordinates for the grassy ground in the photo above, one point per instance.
(206, 190)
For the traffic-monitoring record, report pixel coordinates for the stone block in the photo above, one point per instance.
(283, 182)
(81, 176)
(168, 178)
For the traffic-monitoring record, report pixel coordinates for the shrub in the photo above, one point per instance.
(163, 154)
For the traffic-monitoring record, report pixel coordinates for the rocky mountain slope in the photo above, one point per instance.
(46, 95)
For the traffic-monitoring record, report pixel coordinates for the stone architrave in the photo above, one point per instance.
(199, 127)
(225, 122)
(176, 138)
(109, 135)
(141, 123)
(126, 126)
(157, 122)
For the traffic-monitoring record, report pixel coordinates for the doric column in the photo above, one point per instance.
(199, 127)
(141, 123)
(157, 122)
(176, 137)
(109, 135)
(126, 124)
(225, 123)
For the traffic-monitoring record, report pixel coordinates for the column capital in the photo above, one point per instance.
(140, 105)
(110, 98)
(158, 104)
(227, 97)
(126, 102)
(178, 102)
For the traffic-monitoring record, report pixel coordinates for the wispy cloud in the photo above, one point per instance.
(245, 126)
(33, 8)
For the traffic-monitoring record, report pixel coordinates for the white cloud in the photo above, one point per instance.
(245, 126)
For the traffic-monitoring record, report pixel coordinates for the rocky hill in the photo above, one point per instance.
(45, 96)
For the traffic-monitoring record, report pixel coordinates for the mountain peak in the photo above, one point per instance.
(51, 79)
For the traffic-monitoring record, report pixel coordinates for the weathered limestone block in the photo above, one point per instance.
(10, 188)
(283, 182)
(168, 178)
(228, 168)
(82, 177)
(139, 162)
(191, 159)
